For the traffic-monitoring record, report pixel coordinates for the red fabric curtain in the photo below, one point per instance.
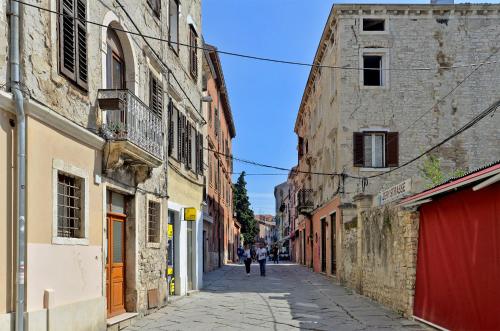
(458, 263)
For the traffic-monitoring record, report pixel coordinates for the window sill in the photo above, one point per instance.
(373, 87)
(364, 169)
(70, 241)
(153, 245)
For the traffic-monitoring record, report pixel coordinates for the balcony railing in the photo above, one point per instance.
(305, 203)
(129, 119)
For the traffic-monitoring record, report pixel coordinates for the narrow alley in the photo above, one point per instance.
(290, 297)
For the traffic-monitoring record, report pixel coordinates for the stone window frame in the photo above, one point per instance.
(60, 166)
(384, 53)
(381, 17)
(149, 244)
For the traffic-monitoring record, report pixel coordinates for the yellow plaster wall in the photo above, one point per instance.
(183, 191)
(45, 144)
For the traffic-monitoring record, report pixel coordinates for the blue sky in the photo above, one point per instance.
(265, 96)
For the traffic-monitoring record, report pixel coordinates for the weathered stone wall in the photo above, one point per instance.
(387, 238)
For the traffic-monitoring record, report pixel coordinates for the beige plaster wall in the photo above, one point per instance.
(184, 191)
(7, 159)
(73, 271)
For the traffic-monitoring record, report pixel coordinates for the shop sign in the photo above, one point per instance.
(395, 192)
(170, 231)
(190, 214)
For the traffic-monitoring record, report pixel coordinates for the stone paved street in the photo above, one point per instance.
(290, 297)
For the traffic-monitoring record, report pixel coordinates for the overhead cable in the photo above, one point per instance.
(260, 58)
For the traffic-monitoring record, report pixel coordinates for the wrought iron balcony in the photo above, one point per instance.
(305, 201)
(133, 130)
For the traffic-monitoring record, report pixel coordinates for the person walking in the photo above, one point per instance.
(262, 257)
(240, 252)
(276, 253)
(247, 257)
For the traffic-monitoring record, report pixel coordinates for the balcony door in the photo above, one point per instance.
(115, 62)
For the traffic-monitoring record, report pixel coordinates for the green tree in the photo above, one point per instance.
(244, 214)
(432, 171)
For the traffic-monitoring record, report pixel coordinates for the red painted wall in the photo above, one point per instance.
(458, 263)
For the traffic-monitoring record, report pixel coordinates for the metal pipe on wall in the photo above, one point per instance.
(21, 162)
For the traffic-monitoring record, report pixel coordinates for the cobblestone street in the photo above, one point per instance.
(290, 297)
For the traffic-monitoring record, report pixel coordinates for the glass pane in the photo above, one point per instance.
(368, 150)
(117, 203)
(117, 242)
(379, 151)
(117, 74)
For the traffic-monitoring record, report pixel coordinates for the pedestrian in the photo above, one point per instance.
(262, 256)
(276, 253)
(247, 257)
(240, 252)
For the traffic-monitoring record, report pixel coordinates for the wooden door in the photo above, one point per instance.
(115, 266)
(323, 245)
(333, 243)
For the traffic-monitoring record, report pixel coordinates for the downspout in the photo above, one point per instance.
(21, 161)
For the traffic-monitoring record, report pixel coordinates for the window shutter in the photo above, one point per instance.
(179, 137)
(81, 46)
(358, 149)
(189, 146)
(392, 149)
(67, 39)
(201, 153)
(170, 127)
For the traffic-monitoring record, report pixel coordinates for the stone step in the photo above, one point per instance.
(121, 321)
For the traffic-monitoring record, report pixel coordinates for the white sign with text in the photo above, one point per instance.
(395, 192)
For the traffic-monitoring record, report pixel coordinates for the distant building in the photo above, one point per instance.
(267, 227)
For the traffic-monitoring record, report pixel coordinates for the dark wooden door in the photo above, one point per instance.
(323, 245)
(333, 243)
(115, 266)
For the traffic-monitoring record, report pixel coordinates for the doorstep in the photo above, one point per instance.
(121, 321)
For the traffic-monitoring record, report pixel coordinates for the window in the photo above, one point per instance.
(199, 153)
(155, 94)
(154, 218)
(373, 24)
(115, 61)
(189, 146)
(173, 25)
(156, 6)
(73, 62)
(375, 149)
(210, 114)
(193, 52)
(181, 122)
(69, 206)
(372, 70)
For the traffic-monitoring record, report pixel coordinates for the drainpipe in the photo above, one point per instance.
(21, 161)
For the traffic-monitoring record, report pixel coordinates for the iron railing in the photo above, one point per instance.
(128, 118)
(305, 202)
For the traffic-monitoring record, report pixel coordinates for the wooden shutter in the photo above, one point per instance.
(170, 127)
(201, 153)
(392, 149)
(180, 137)
(193, 61)
(155, 95)
(189, 146)
(358, 149)
(81, 45)
(67, 39)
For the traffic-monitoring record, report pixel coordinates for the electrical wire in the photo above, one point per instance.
(468, 125)
(253, 57)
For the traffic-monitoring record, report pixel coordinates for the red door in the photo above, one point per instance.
(115, 264)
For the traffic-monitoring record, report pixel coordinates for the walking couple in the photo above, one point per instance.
(261, 255)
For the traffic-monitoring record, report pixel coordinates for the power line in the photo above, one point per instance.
(259, 174)
(253, 57)
(445, 96)
(468, 125)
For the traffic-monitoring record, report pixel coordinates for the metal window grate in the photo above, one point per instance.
(68, 206)
(153, 222)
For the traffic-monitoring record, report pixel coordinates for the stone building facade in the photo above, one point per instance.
(221, 230)
(403, 79)
(97, 101)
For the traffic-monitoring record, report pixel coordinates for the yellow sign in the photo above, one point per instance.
(170, 231)
(170, 271)
(190, 214)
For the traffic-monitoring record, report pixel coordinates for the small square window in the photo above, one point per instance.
(373, 24)
(69, 206)
(153, 222)
(372, 70)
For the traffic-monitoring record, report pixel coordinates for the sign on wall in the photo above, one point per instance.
(190, 214)
(170, 231)
(395, 192)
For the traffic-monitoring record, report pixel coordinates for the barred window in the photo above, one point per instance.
(69, 206)
(153, 222)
